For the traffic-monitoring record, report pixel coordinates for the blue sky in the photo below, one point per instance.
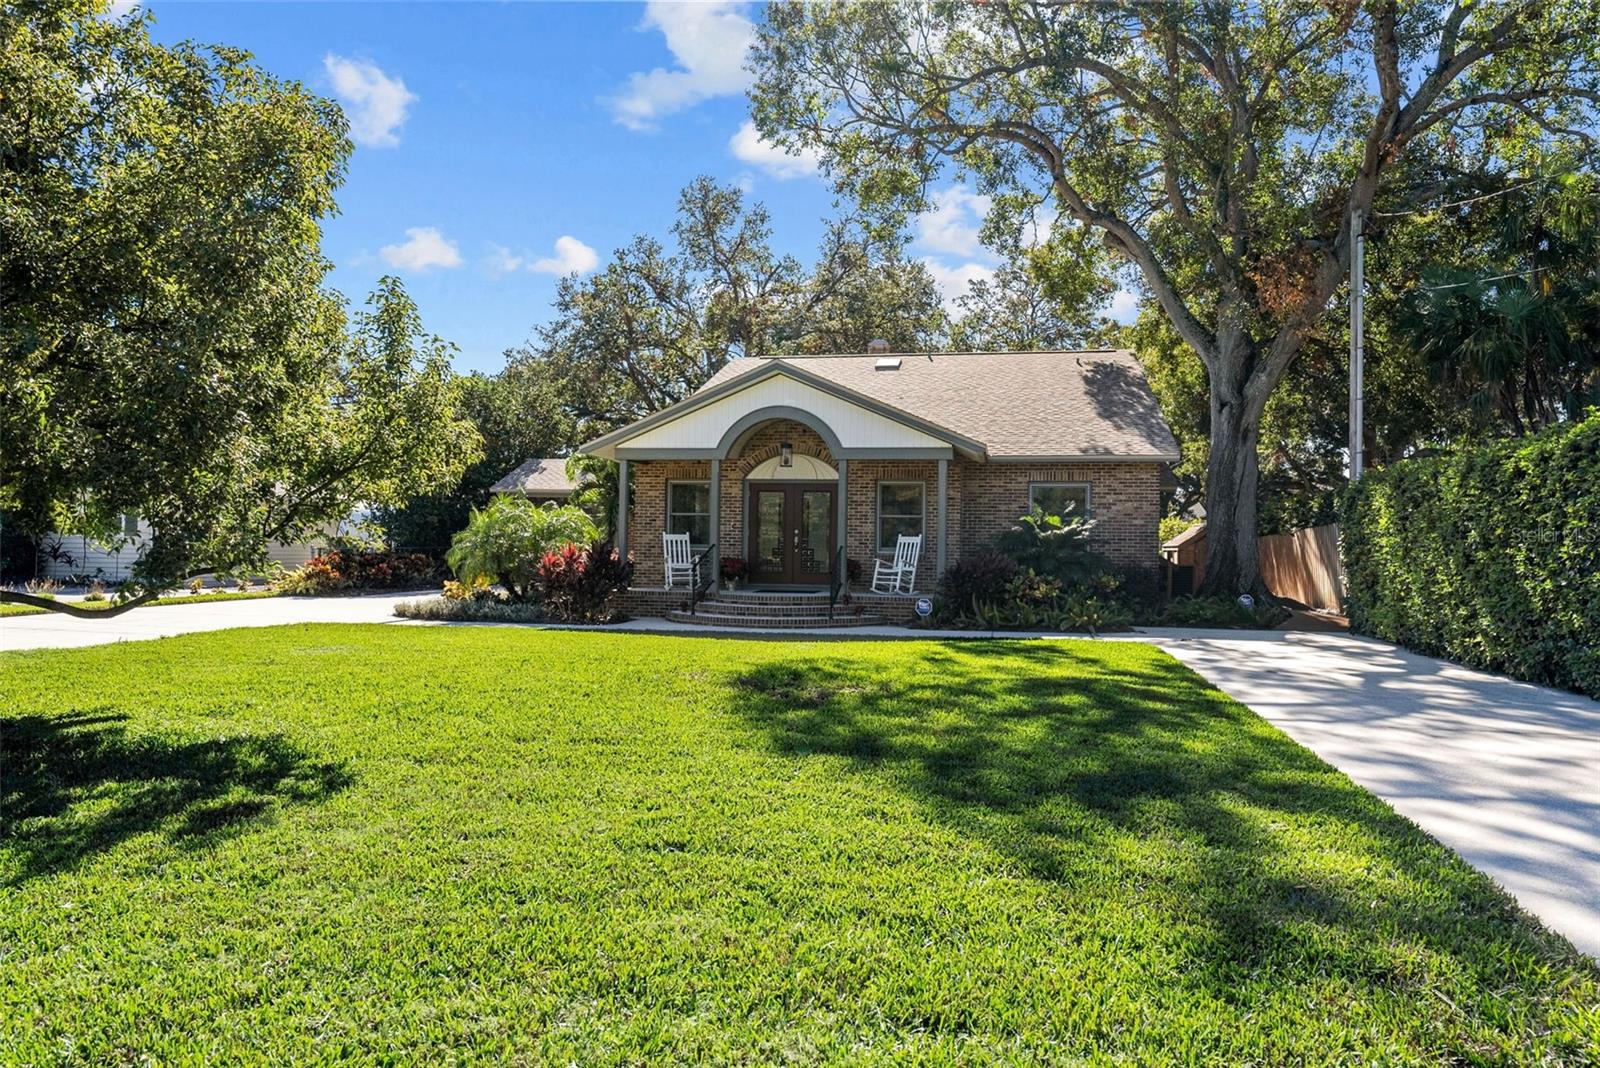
(501, 145)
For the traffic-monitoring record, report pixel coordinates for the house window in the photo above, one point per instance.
(901, 507)
(129, 523)
(689, 511)
(1066, 499)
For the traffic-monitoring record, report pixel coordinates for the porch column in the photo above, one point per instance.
(842, 508)
(942, 560)
(622, 508)
(716, 522)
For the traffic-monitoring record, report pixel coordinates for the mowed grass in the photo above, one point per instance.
(417, 845)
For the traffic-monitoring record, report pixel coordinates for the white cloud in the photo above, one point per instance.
(954, 223)
(709, 41)
(424, 247)
(572, 257)
(503, 261)
(747, 145)
(953, 281)
(1124, 306)
(375, 103)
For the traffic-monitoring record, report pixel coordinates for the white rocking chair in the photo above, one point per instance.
(902, 569)
(680, 560)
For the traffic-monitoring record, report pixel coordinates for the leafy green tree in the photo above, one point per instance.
(168, 349)
(1016, 311)
(596, 494)
(504, 542)
(517, 415)
(862, 291)
(655, 324)
(1509, 324)
(1219, 151)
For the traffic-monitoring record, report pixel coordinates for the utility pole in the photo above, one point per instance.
(1358, 285)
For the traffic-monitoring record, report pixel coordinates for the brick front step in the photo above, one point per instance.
(706, 618)
(738, 606)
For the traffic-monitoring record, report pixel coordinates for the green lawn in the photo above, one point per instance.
(406, 844)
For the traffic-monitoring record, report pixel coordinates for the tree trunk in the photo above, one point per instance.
(1233, 564)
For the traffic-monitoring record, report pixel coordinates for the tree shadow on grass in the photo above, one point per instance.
(1061, 760)
(76, 786)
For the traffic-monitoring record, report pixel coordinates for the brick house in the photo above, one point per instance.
(782, 461)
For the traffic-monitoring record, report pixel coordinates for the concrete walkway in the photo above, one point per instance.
(52, 631)
(1505, 773)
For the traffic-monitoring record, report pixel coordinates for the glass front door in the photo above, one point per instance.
(791, 532)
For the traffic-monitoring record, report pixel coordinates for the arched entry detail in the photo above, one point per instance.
(733, 441)
(802, 468)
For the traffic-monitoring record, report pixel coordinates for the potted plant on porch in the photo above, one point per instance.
(734, 572)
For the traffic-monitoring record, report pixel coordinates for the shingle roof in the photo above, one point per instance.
(1020, 405)
(537, 477)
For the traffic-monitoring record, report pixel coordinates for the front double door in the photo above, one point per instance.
(792, 532)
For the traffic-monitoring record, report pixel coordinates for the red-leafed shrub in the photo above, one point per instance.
(346, 569)
(578, 584)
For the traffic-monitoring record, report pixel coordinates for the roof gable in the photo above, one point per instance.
(864, 420)
(1019, 406)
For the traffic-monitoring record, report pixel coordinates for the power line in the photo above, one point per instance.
(1458, 203)
(1480, 281)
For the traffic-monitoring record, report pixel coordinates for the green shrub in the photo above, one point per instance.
(1217, 612)
(1053, 546)
(505, 542)
(1489, 555)
(977, 578)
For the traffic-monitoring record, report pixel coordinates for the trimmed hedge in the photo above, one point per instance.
(1489, 556)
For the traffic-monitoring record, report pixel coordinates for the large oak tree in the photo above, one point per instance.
(167, 347)
(1218, 149)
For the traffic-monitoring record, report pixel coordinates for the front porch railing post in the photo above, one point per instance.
(716, 524)
(942, 560)
(843, 508)
(622, 508)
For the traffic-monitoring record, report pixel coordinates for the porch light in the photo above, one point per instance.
(786, 455)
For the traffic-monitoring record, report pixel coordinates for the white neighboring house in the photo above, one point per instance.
(77, 555)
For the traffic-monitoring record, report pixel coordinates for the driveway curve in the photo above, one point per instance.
(1505, 773)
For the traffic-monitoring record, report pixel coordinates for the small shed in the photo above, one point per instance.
(1185, 559)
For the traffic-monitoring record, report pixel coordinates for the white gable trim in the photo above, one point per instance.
(719, 428)
(863, 420)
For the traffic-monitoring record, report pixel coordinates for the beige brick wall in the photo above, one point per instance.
(1124, 502)
(861, 525)
(648, 518)
(984, 499)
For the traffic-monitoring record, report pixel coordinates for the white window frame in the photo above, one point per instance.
(1088, 494)
(877, 509)
(706, 482)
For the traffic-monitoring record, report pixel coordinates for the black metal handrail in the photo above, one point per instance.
(837, 577)
(701, 580)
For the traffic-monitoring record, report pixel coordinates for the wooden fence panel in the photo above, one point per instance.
(1304, 566)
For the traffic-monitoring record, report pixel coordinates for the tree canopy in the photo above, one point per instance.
(168, 347)
(1217, 150)
(654, 324)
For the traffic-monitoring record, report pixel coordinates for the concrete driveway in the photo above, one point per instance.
(1504, 773)
(161, 621)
